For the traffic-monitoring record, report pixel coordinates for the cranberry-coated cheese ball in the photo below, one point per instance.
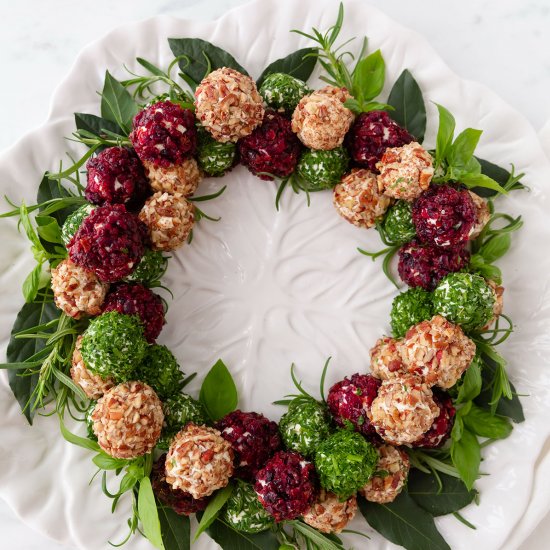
(228, 104)
(405, 172)
(358, 200)
(329, 514)
(438, 351)
(169, 220)
(321, 120)
(440, 430)
(76, 290)
(127, 420)
(177, 179)
(385, 359)
(164, 134)
(199, 461)
(92, 384)
(385, 488)
(404, 410)
(483, 215)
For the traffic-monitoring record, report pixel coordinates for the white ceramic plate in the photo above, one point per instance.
(263, 289)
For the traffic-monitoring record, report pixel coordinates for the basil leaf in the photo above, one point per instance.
(48, 229)
(148, 514)
(487, 271)
(368, 77)
(175, 529)
(479, 180)
(405, 523)
(50, 189)
(465, 454)
(31, 285)
(295, 64)
(213, 509)
(229, 539)
(484, 424)
(106, 462)
(409, 107)
(218, 392)
(445, 134)
(95, 124)
(497, 173)
(199, 57)
(438, 500)
(470, 386)
(462, 150)
(496, 247)
(117, 105)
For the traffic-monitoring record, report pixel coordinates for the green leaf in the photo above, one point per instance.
(148, 514)
(175, 529)
(466, 455)
(96, 125)
(470, 386)
(404, 523)
(218, 392)
(445, 134)
(368, 77)
(299, 64)
(438, 500)
(229, 539)
(83, 442)
(50, 189)
(496, 247)
(48, 229)
(150, 67)
(213, 509)
(479, 180)
(484, 424)
(409, 107)
(117, 105)
(498, 174)
(463, 147)
(22, 383)
(106, 462)
(31, 285)
(199, 57)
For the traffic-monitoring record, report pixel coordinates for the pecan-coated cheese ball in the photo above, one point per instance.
(127, 420)
(329, 513)
(385, 359)
(177, 179)
(482, 217)
(228, 104)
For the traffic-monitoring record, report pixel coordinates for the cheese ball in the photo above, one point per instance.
(405, 172)
(385, 359)
(228, 104)
(244, 512)
(482, 215)
(76, 290)
(150, 269)
(322, 169)
(215, 158)
(498, 306)
(74, 221)
(92, 384)
(390, 477)
(398, 224)
(177, 179)
(127, 420)
(358, 200)
(438, 351)
(283, 92)
(169, 220)
(330, 514)
(321, 120)
(409, 308)
(199, 461)
(404, 410)
(160, 369)
(442, 426)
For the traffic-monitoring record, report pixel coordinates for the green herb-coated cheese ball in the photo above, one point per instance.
(244, 512)
(464, 299)
(409, 308)
(150, 269)
(322, 169)
(398, 223)
(160, 369)
(304, 426)
(114, 345)
(74, 221)
(214, 157)
(345, 461)
(283, 92)
(89, 421)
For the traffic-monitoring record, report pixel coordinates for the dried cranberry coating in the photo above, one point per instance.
(254, 439)
(181, 502)
(444, 216)
(164, 133)
(110, 242)
(272, 148)
(136, 299)
(116, 176)
(422, 265)
(287, 485)
(443, 424)
(350, 399)
(371, 134)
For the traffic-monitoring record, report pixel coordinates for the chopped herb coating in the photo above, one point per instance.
(244, 512)
(398, 223)
(345, 461)
(322, 169)
(74, 221)
(215, 158)
(114, 345)
(464, 299)
(283, 91)
(150, 269)
(160, 369)
(409, 308)
(304, 426)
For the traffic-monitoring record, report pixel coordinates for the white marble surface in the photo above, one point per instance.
(501, 43)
